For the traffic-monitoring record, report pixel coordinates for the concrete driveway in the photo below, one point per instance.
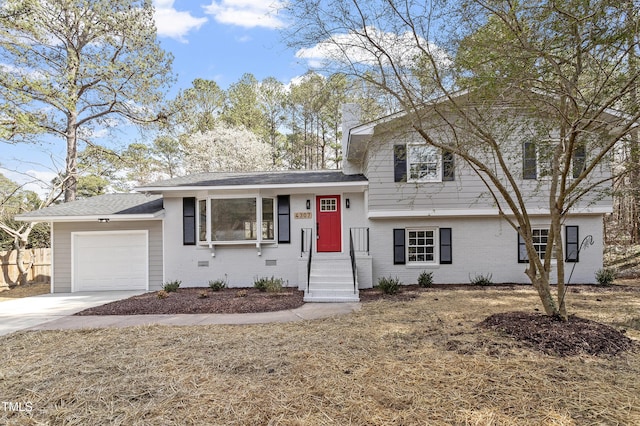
(27, 312)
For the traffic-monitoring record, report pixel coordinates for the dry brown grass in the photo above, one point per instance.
(28, 290)
(415, 362)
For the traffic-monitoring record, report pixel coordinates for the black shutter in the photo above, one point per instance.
(448, 169)
(399, 163)
(398, 247)
(523, 257)
(579, 160)
(572, 244)
(530, 161)
(284, 219)
(189, 221)
(446, 255)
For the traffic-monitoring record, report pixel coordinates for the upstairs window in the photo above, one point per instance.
(423, 163)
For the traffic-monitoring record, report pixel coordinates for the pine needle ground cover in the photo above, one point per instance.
(425, 360)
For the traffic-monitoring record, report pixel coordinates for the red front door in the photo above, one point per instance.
(328, 223)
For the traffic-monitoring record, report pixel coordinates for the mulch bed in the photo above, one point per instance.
(555, 337)
(191, 301)
(540, 332)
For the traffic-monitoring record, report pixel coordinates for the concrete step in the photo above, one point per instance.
(331, 296)
(331, 280)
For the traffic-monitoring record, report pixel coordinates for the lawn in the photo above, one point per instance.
(421, 361)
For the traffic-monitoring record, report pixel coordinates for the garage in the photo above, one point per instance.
(110, 260)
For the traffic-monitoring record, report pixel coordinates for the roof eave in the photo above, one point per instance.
(161, 189)
(93, 218)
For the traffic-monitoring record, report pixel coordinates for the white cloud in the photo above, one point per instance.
(173, 23)
(356, 48)
(38, 181)
(247, 13)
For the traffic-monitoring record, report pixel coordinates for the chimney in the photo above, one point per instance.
(351, 116)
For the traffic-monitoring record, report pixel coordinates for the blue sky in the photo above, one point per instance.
(222, 39)
(213, 39)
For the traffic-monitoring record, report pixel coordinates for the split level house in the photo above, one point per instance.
(397, 208)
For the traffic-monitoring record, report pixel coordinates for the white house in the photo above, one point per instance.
(396, 209)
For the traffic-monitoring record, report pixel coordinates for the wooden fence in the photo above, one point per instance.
(40, 271)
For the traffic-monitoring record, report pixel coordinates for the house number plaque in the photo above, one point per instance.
(302, 215)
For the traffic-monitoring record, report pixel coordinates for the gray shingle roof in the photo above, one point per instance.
(257, 178)
(101, 205)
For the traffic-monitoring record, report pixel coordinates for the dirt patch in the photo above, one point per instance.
(202, 301)
(555, 337)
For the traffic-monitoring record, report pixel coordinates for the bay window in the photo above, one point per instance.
(249, 219)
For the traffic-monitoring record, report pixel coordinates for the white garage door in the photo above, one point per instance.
(105, 261)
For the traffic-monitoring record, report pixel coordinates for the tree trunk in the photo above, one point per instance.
(556, 228)
(71, 173)
(21, 246)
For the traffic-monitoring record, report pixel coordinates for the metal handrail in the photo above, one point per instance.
(352, 254)
(309, 262)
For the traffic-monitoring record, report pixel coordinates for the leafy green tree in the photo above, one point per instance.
(197, 108)
(77, 66)
(243, 107)
(168, 156)
(563, 65)
(273, 99)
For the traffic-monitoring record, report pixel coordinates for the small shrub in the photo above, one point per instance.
(389, 285)
(605, 276)
(162, 294)
(271, 285)
(203, 294)
(242, 293)
(172, 286)
(217, 285)
(425, 279)
(481, 279)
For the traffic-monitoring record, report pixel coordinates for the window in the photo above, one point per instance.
(236, 219)
(423, 163)
(421, 246)
(202, 210)
(268, 223)
(328, 204)
(540, 237)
